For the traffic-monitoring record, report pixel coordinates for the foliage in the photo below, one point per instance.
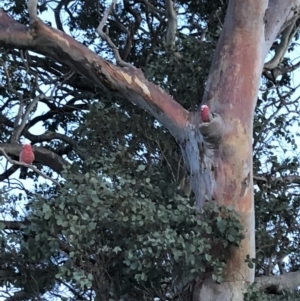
(100, 232)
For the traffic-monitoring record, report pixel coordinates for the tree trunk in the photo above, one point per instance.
(232, 92)
(249, 30)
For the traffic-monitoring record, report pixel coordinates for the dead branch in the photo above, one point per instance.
(260, 179)
(14, 136)
(9, 84)
(106, 37)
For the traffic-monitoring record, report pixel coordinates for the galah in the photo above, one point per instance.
(26, 156)
(205, 113)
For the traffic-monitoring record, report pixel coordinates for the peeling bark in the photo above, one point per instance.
(128, 82)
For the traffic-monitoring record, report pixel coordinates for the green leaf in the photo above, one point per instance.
(250, 265)
(208, 257)
(92, 225)
(141, 167)
(116, 250)
(46, 208)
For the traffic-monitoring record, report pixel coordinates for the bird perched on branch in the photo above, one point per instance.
(26, 156)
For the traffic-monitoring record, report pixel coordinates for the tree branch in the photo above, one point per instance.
(172, 24)
(27, 165)
(106, 38)
(32, 10)
(286, 180)
(131, 31)
(5, 175)
(18, 296)
(277, 17)
(42, 155)
(57, 13)
(19, 128)
(286, 37)
(278, 283)
(127, 82)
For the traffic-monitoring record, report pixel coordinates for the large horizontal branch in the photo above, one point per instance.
(14, 162)
(286, 180)
(278, 283)
(42, 155)
(128, 82)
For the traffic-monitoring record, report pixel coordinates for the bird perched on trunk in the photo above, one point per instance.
(26, 156)
(205, 114)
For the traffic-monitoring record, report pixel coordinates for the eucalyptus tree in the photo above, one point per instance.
(119, 90)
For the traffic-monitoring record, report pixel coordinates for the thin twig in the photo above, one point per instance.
(29, 166)
(106, 38)
(18, 130)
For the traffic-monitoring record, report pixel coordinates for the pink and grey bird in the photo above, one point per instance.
(27, 155)
(205, 113)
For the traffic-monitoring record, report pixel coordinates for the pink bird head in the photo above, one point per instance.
(205, 113)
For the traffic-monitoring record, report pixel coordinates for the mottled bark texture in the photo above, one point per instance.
(249, 30)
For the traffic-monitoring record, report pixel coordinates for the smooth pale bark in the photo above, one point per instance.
(233, 83)
(223, 172)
